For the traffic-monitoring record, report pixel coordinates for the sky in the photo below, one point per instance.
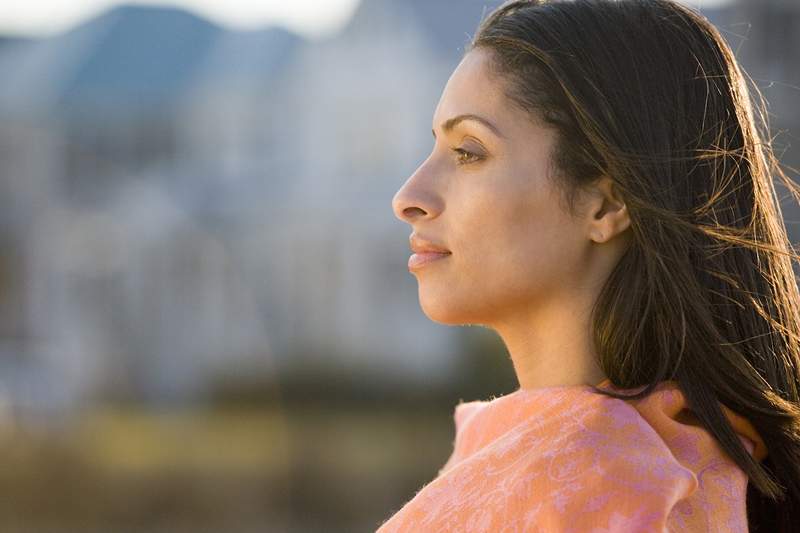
(311, 18)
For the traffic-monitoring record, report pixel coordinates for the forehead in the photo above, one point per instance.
(475, 88)
(471, 88)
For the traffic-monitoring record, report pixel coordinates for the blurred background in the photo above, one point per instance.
(206, 319)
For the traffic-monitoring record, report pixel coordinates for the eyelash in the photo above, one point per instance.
(461, 152)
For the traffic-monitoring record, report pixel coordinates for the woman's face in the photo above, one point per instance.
(483, 194)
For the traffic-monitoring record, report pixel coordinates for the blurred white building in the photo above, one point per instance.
(180, 202)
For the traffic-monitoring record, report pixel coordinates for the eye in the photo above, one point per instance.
(465, 157)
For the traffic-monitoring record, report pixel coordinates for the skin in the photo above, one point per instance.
(520, 265)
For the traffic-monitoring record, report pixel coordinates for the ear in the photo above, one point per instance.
(607, 213)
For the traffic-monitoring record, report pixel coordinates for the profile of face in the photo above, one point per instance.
(483, 194)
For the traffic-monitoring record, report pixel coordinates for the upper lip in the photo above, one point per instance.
(420, 245)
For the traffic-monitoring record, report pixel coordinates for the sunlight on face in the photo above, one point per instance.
(483, 194)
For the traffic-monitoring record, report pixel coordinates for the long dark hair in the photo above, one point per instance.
(648, 93)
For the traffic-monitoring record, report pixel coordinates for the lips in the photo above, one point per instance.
(418, 260)
(421, 245)
(425, 252)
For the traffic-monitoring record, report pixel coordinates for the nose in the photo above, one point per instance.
(417, 198)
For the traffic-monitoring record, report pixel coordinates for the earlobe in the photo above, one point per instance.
(618, 220)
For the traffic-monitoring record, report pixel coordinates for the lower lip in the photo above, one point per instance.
(419, 260)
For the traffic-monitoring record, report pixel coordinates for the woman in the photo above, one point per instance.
(599, 194)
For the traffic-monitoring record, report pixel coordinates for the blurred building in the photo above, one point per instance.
(180, 202)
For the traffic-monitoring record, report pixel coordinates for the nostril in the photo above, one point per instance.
(411, 211)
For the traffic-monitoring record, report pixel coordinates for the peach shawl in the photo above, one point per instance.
(567, 459)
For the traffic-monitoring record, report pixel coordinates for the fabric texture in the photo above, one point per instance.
(568, 459)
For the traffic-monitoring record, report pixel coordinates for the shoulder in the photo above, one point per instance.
(465, 410)
(580, 462)
(592, 462)
(667, 413)
(652, 454)
(612, 451)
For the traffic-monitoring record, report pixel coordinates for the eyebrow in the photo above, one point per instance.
(451, 123)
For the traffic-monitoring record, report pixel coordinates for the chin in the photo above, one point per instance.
(446, 310)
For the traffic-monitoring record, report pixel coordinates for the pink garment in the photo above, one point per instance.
(567, 459)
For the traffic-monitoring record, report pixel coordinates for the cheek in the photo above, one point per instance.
(508, 254)
(520, 243)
